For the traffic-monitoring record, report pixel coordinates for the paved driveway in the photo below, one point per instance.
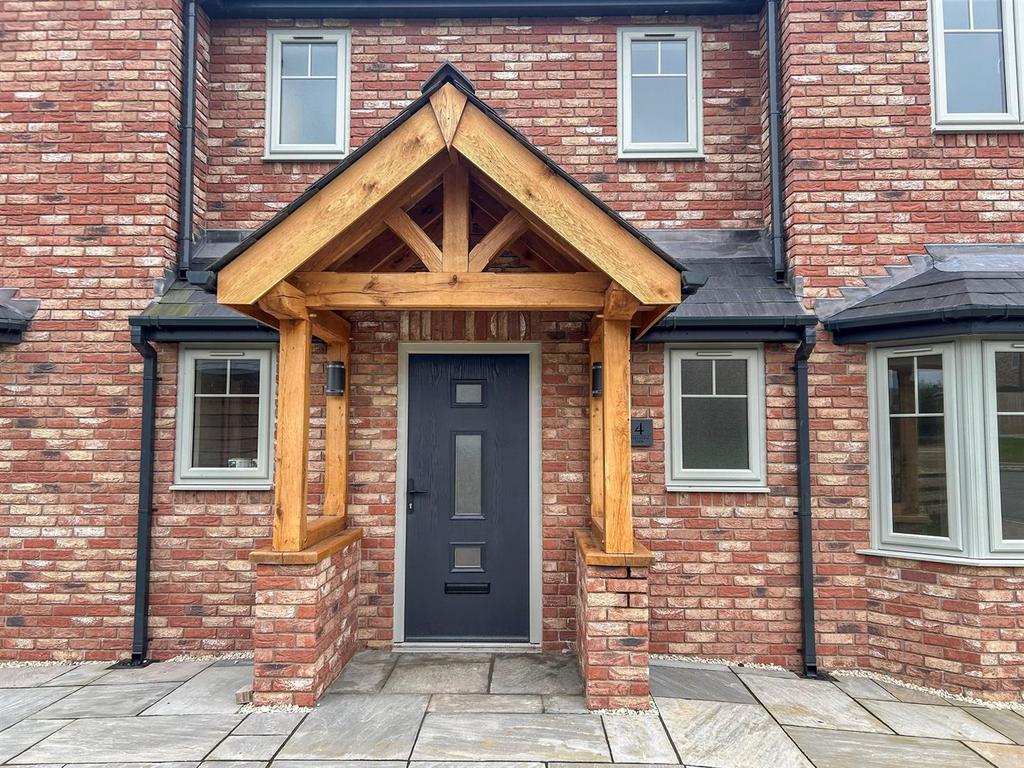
(431, 710)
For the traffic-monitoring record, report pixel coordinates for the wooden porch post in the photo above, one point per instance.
(596, 439)
(618, 458)
(292, 446)
(336, 447)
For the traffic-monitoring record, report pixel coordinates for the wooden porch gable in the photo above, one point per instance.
(446, 209)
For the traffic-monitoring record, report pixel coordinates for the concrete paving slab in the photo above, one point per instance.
(27, 733)
(1008, 723)
(358, 727)
(565, 705)
(863, 688)
(159, 672)
(845, 749)
(512, 737)
(31, 675)
(108, 740)
(725, 735)
(83, 674)
(174, 764)
(1000, 755)
(765, 671)
(234, 764)
(911, 696)
(269, 723)
(812, 703)
(107, 701)
(638, 738)
(211, 692)
(338, 764)
(537, 673)
(682, 664)
(486, 702)
(365, 673)
(430, 764)
(439, 676)
(933, 721)
(18, 703)
(248, 747)
(704, 684)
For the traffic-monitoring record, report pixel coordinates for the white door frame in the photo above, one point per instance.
(533, 351)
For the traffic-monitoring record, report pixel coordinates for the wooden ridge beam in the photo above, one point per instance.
(581, 291)
(399, 222)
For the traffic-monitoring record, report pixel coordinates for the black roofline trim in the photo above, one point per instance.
(924, 330)
(777, 321)
(663, 335)
(283, 9)
(839, 324)
(10, 336)
(446, 73)
(197, 329)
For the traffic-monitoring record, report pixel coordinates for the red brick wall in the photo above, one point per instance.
(553, 79)
(869, 183)
(89, 95)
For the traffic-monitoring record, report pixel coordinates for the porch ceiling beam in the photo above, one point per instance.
(410, 233)
(504, 233)
(581, 291)
(333, 209)
(554, 203)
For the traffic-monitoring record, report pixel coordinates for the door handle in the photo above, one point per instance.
(411, 491)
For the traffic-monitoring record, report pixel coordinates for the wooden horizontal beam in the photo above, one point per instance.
(323, 528)
(309, 555)
(580, 291)
(285, 302)
(330, 327)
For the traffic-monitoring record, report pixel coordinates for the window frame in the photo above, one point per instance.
(997, 545)
(224, 478)
(751, 480)
(1013, 41)
(694, 147)
(274, 149)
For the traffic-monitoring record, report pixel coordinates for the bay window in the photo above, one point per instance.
(947, 426)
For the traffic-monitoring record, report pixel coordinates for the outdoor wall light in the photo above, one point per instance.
(335, 378)
(596, 379)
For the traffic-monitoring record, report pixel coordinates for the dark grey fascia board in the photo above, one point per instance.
(915, 325)
(10, 336)
(353, 9)
(196, 330)
(668, 335)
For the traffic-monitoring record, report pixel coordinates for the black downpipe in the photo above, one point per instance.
(775, 140)
(803, 439)
(145, 521)
(187, 144)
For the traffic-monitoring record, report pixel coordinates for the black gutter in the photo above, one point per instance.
(959, 321)
(803, 439)
(145, 521)
(177, 330)
(187, 140)
(352, 9)
(775, 140)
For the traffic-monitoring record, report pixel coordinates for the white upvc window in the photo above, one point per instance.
(977, 71)
(225, 417)
(947, 450)
(307, 94)
(715, 418)
(660, 103)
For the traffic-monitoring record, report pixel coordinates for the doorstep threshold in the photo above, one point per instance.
(466, 647)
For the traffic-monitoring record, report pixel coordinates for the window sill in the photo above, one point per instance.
(978, 128)
(292, 157)
(685, 488)
(643, 156)
(225, 486)
(928, 557)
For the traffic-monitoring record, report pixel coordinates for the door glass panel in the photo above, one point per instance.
(469, 393)
(1010, 425)
(467, 557)
(468, 461)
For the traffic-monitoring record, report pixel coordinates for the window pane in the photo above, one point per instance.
(225, 432)
(955, 14)
(901, 384)
(696, 377)
(468, 460)
(987, 14)
(1010, 382)
(929, 384)
(659, 109)
(465, 556)
(324, 59)
(673, 57)
(975, 76)
(211, 377)
(245, 377)
(309, 111)
(714, 433)
(731, 377)
(644, 58)
(1011, 475)
(294, 59)
(919, 496)
(469, 393)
